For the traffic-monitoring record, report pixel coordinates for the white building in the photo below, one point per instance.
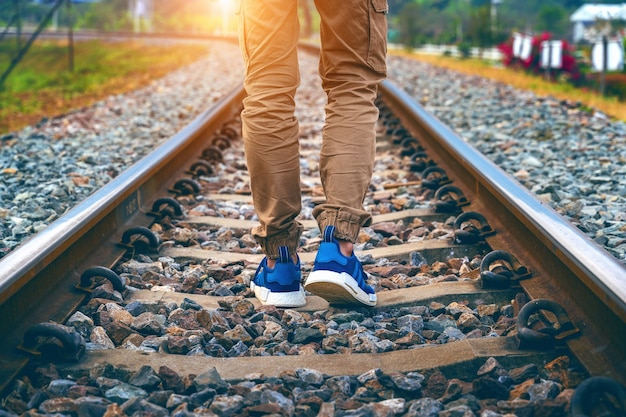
(141, 12)
(587, 16)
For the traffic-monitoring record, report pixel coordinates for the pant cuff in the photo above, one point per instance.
(270, 245)
(347, 221)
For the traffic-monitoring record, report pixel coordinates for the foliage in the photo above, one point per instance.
(615, 85)
(480, 26)
(465, 49)
(455, 21)
(569, 69)
(107, 15)
(553, 18)
(408, 24)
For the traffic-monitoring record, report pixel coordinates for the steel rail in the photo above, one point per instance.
(588, 281)
(38, 278)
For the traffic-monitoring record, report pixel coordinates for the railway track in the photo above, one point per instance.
(476, 280)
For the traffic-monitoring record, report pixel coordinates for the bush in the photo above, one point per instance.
(569, 69)
(465, 49)
(614, 84)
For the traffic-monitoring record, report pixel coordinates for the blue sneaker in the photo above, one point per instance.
(337, 278)
(279, 286)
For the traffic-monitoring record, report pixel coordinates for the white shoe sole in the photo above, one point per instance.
(279, 299)
(338, 288)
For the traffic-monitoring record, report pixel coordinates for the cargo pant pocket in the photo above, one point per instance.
(377, 53)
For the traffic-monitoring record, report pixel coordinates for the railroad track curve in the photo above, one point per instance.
(477, 281)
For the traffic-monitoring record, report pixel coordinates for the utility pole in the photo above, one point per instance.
(605, 60)
(16, 19)
(70, 35)
(461, 16)
(494, 19)
(18, 23)
(30, 41)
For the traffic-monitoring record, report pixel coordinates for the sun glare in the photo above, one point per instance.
(227, 11)
(227, 6)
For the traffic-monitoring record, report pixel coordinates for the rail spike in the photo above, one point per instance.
(434, 177)
(450, 199)
(471, 227)
(529, 338)
(166, 207)
(229, 132)
(221, 142)
(152, 239)
(119, 283)
(201, 168)
(186, 186)
(410, 145)
(212, 154)
(587, 396)
(420, 161)
(74, 344)
(499, 269)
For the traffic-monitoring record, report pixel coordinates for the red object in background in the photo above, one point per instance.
(532, 62)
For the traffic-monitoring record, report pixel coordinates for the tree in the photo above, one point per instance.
(480, 26)
(107, 15)
(552, 18)
(409, 23)
(440, 4)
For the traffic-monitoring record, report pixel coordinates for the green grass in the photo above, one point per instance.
(43, 86)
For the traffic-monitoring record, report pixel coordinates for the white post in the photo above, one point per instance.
(55, 21)
(494, 17)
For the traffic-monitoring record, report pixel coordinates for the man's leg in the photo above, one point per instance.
(352, 64)
(269, 38)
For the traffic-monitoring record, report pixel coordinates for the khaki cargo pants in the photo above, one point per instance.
(352, 64)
